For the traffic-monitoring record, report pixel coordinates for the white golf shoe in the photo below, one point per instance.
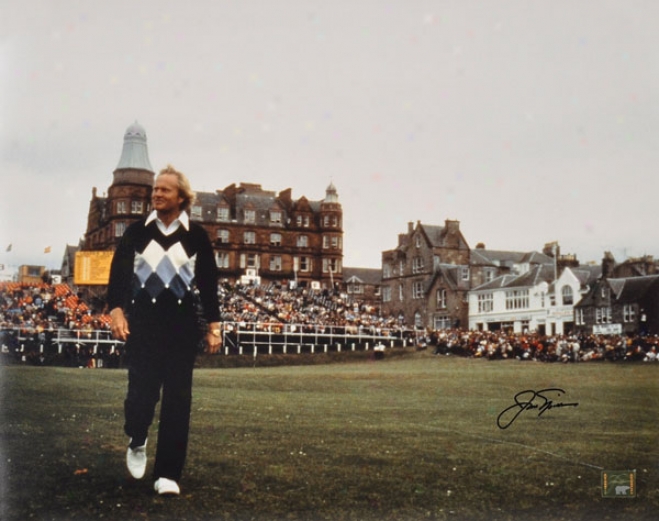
(166, 487)
(136, 461)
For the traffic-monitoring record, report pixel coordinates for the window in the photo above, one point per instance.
(441, 298)
(275, 263)
(417, 289)
(275, 217)
(305, 264)
(249, 260)
(250, 216)
(464, 272)
(250, 238)
(629, 313)
(386, 294)
(566, 293)
(252, 260)
(325, 242)
(400, 292)
(275, 239)
(137, 207)
(485, 302)
(355, 289)
(401, 267)
(195, 213)
(418, 323)
(386, 270)
(417, 241)
(122, 207)
(336, 242)
(578, 317)
(442, 322)
(489, 274)
(119, 229)
(223, 236)
(603, 315)
(417, 265)
(517, 299)
(222, 259)
(223, 214)
(331, 264)
(302, 241)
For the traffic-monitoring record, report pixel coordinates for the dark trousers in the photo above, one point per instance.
(159, 360)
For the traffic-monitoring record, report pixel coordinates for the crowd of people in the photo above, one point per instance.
(499, 345)
(302, 306)
(40, 313)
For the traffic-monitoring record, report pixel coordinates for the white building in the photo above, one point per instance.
(530, 300)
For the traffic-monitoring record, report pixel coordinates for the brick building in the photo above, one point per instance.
(128, 198)
(257, 234)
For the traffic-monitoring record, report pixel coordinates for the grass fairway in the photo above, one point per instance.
(407, 439)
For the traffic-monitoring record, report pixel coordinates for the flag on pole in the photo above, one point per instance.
(46, 249)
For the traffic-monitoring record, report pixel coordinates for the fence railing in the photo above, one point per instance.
(241, 338)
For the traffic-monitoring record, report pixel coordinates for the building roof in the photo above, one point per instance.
(371, 276)
(587, 274)
(435, 233)
(632, 289)
(134, 154)
(508, 258)
(533, 277)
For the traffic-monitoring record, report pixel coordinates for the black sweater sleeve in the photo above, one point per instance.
(121, 272)
(206, 276)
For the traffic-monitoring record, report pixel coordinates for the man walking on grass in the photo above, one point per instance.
(162, 266)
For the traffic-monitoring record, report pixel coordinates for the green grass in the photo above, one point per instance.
(402, 439)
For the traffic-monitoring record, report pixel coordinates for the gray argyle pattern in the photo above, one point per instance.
(157, 270)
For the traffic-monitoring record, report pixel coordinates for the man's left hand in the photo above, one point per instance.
(213, 338)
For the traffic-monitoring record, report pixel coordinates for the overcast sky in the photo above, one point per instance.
(527, 121)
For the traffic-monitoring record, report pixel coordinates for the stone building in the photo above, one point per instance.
(624, 300)
(256, 234)
(425, 279)
(363, 285)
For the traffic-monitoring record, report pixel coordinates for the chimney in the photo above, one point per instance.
(608, 264)
(452, 226)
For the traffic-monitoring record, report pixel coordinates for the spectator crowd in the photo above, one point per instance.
(37, 312)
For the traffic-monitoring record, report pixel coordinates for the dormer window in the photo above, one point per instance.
(250, 216)
(223, 214)
(195, 213)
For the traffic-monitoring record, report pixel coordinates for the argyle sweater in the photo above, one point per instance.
(154, 277)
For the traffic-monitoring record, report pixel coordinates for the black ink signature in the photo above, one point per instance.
(528, 400)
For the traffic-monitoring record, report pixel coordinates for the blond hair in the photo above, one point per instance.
(184, 189)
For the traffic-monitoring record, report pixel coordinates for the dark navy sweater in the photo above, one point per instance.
(154, 277)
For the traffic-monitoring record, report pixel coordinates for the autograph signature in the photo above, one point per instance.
(528, 400)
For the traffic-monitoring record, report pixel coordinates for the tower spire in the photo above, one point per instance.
(134, 154)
